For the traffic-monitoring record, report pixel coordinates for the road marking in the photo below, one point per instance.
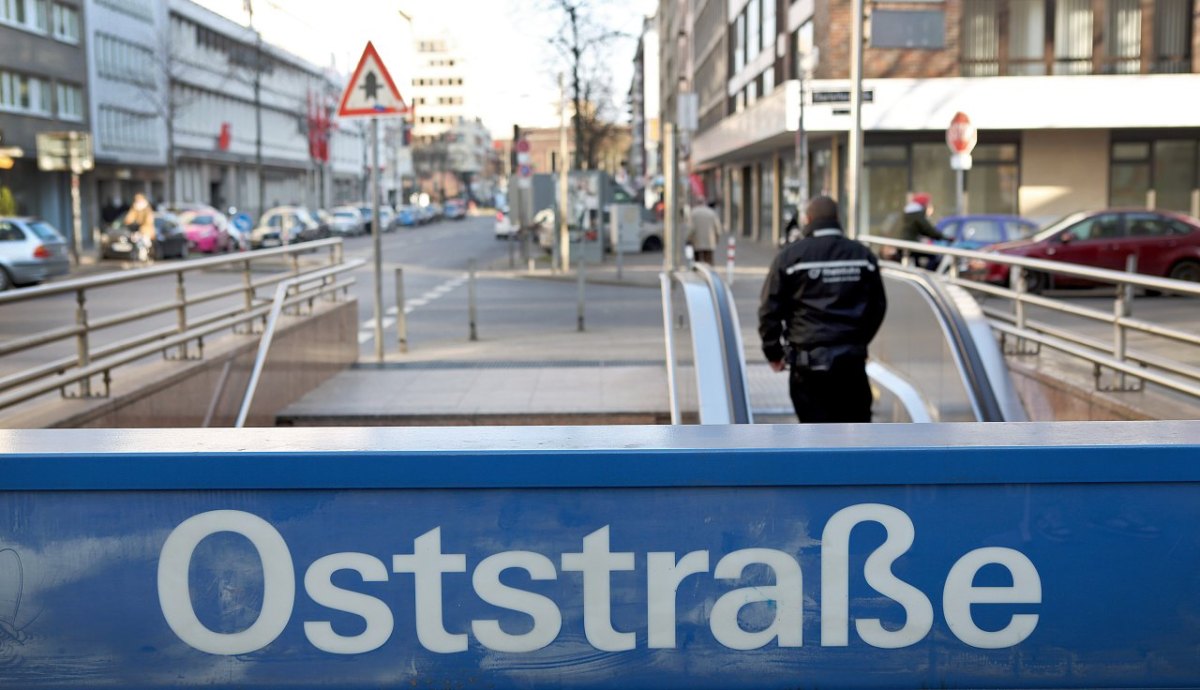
(367, 331)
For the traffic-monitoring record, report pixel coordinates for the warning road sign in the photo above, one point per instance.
(371, 91)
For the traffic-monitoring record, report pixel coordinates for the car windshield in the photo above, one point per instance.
(45, 232)
(1058, 226)
(200, 220)
(343, 215)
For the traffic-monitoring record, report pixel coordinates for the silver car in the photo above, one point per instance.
(31, 251)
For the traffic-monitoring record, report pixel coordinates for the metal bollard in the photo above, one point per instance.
(401, 317)
(82, 350)
(730, 253)
(582, 284)
(620, 261)
(512, 250)
(474, 336)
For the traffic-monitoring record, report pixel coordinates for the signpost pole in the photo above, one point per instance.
(377, 232)
(960, 201)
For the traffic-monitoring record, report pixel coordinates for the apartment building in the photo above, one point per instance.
(43, 88)
(128, 84)
(1079, 104)
(644, 161)
(438, 90)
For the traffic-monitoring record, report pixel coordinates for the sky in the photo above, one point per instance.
(511, 65)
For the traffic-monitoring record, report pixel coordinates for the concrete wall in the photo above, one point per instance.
(1063, 171)
(306, 351)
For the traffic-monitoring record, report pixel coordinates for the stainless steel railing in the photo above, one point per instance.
(73, 375)
(1131, 367)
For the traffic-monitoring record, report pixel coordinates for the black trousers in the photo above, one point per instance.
(839, 394)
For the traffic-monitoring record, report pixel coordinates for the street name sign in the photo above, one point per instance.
(371, 91)
(872, 556)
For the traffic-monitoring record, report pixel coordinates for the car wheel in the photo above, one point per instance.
(5, 281)
(652, 244)
(1186, 270)
(1036, 283)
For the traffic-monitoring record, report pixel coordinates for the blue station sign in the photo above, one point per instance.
(963, 556)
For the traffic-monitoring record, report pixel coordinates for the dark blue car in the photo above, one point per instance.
(976, 231)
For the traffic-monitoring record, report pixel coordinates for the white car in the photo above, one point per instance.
(504, 227)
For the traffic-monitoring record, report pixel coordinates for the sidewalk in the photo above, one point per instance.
(539, 377)
(641, 269)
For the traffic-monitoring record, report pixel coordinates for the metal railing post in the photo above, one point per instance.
(181, 310)
(82, 351)
(401, 317)
(474, 335)
(582, 284)
(1122, 308)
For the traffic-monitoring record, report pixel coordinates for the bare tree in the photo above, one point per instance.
(582, 41)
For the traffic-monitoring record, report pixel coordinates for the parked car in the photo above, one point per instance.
(285, 225)
(170, 241)
(1165, 244)
(980, 230)
(406, 216)
(436, 212)
(387, 218)
(424, 214)
(505, 228)
(31, 251)
(207, 231)
(368, 222)
(456, 209)
(347, 222)
(324, 222)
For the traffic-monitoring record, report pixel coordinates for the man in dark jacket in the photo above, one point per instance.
(822, 303)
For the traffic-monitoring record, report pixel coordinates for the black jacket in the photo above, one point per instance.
(916, 225)
(825, 290)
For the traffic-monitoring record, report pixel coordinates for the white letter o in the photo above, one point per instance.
(279, 582)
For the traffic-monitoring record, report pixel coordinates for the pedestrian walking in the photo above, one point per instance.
(705, 231)
(140, 222)
(822, 304)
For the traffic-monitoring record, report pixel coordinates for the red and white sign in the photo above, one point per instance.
(522, 145)
(961, 137)
(371, 91)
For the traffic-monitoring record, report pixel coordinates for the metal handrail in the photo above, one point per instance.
(104, 366)
(1091, 350)
(277, 305)
(84, 327)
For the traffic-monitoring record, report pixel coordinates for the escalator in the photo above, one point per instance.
(935, 358)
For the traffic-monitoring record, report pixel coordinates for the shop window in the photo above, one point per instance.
(1174, 175)
(992, 183)
(908, 29)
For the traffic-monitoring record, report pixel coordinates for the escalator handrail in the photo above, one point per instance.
(731, 342)
(979, 386)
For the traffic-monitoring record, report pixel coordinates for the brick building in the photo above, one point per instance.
(1079, 104)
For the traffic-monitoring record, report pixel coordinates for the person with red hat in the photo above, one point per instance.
(916, 225)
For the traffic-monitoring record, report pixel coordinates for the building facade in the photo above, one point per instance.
(439, 89)
(43, 88)
(645, 170)
(1079, 104)
(127, 74)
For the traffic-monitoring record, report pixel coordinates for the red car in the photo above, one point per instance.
(207, 231)
(1166, 244)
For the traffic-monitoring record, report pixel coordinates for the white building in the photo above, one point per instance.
(439, 89)
(127, 76)
(216, 128)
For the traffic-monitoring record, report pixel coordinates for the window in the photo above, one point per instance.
(925, 29)
(33, 15)
(70, 102)
(65, 23)
(980, 38)
(753, 29)
(1105, 227)
(1026, 38)
(739, 43)
(1172, 36)
(122, 60)
(24, 94)
(981, 232)
(1123, 37)
(10, 232)
(992, 182)
(1073, 37)
(1153, 225)
(768, 25)
(1161, 174)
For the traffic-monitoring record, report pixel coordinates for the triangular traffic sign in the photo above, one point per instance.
(371, 91)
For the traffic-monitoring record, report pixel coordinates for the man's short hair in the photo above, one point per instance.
(821, 209)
